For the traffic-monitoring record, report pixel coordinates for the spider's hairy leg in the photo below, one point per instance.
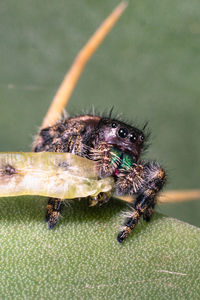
(64, 136)
(149, 212)
(147, 181)
(53, 211)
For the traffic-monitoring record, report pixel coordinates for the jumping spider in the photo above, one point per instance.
(116, 147)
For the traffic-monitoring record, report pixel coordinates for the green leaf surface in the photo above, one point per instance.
(81, 259)
(148, 68)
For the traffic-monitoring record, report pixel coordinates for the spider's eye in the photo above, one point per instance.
(123, 132)
(114, 124)
(133, 137)
(141, 138)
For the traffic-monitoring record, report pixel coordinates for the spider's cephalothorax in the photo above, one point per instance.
(116, 147)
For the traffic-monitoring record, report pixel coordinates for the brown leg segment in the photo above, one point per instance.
(154, 179)
(53, 211)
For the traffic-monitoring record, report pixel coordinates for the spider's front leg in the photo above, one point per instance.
(145, 181)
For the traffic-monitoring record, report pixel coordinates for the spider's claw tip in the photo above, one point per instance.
(51, 225)
(120, 237)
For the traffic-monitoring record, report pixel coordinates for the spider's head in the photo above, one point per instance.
(124, 137)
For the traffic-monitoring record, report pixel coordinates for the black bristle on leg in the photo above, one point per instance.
(148, 214)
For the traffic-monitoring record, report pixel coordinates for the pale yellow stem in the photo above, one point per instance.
(67, 86)
(179, 196)
(172, 196)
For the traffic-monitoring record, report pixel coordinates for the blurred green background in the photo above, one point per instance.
(148, 68)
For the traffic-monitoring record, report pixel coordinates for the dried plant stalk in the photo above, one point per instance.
(67, 86)
(179, 196)
(171, 196)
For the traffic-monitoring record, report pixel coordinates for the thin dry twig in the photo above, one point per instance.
(67, 86)
(171, 196)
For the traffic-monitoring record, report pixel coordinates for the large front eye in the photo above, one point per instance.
(133, 137)
(123, 132)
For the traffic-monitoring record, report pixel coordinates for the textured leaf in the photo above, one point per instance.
(81, 259)
(148, 68)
